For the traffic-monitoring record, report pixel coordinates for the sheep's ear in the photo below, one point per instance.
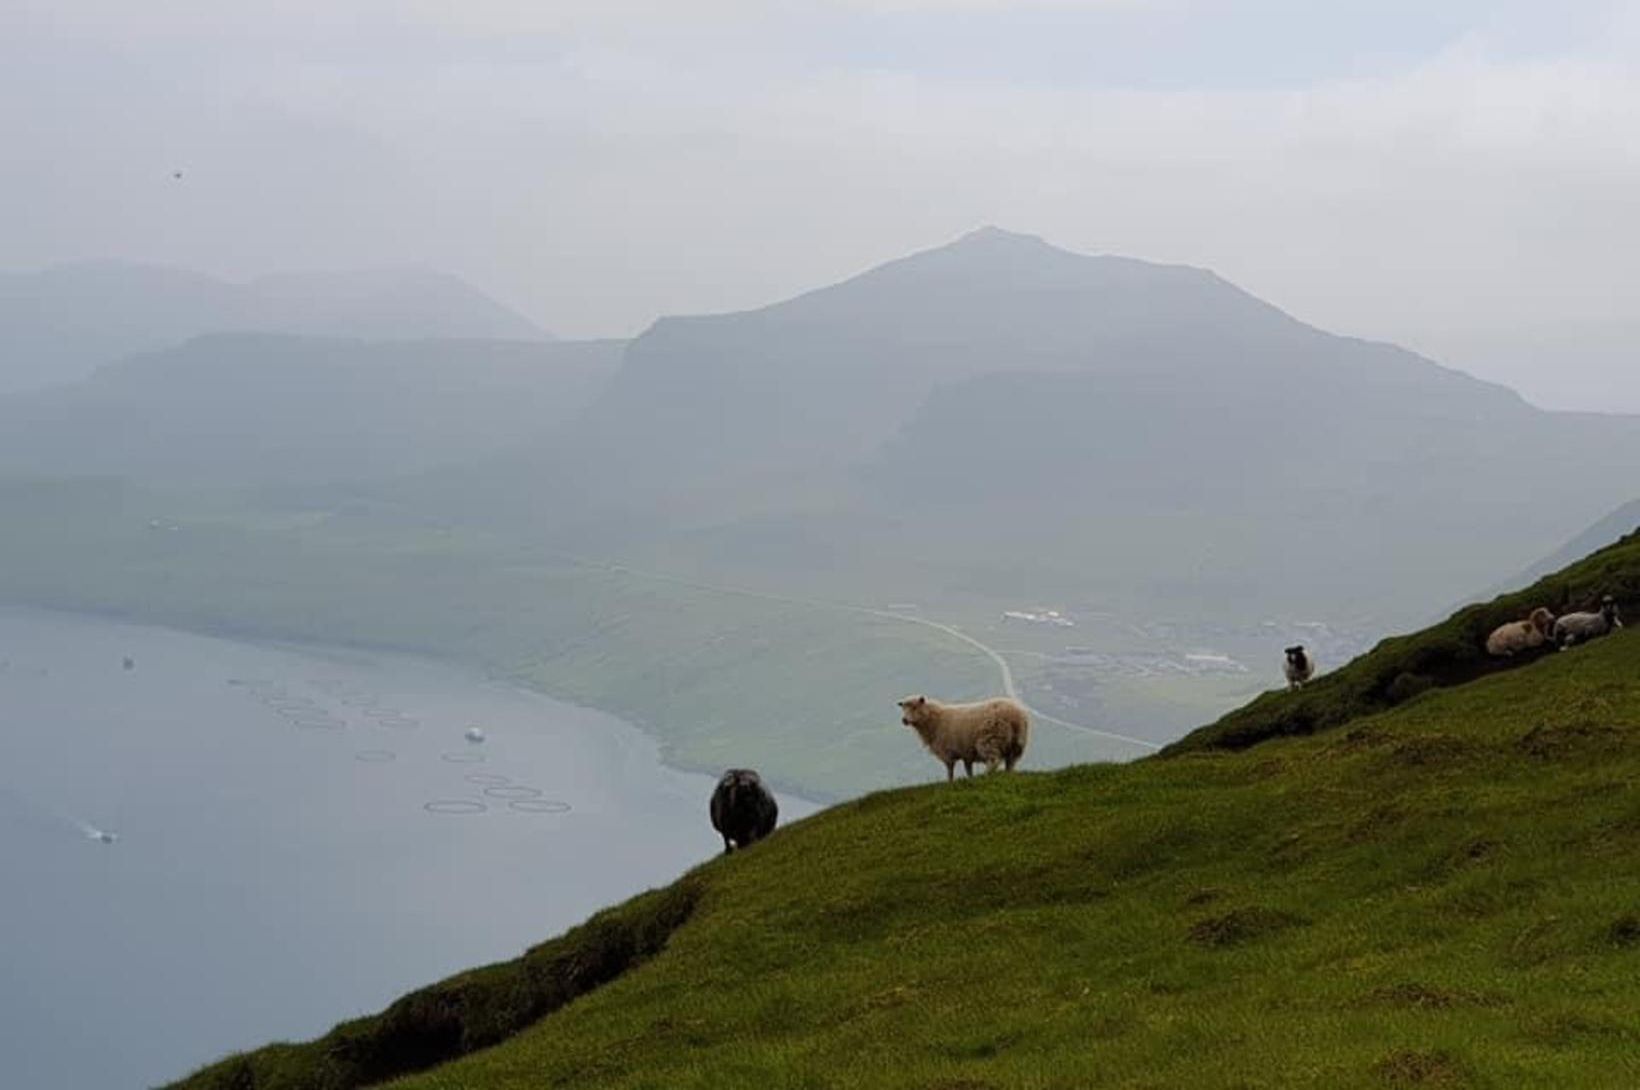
(918, 701)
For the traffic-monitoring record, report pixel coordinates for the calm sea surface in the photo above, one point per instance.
(225, 843)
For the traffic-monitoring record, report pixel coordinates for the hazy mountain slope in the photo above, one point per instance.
(233, 409)
(1322, 488)
(1003, 418)
(825, 378)
(1427, 899)
(1620, 523)
(58, 324)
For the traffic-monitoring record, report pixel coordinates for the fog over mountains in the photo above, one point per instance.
(233, 409)
(995, 419)
(58, 324)
(1002, 416)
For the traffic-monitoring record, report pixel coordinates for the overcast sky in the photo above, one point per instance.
(1461, 177)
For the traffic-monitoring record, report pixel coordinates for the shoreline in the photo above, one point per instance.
(250, 636)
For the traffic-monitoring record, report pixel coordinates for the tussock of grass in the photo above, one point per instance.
(1403, 668)
(1405, 1067)
(1242, 925)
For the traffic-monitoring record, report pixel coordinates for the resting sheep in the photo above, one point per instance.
(743, 810)
(992, 731)
(1517, 636)
(1299, 667)
(1575, 628)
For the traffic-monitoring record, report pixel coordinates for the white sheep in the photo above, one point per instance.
(992, 731)
(1511, 639)
(1576, 628)
(1299, 667)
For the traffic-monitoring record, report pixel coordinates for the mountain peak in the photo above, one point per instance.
(992, 235)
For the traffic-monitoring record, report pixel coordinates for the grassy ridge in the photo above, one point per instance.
(1439, 895)
(1448, 654)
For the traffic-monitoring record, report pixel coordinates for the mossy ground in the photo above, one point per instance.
(1443, 894)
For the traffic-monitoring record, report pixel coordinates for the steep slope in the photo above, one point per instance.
(58, 324)
(1437, 896)
(245, 409)
(1403, 667)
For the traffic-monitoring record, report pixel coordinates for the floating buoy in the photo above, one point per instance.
(101, 836)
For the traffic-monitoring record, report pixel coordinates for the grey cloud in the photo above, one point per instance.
(620, 164)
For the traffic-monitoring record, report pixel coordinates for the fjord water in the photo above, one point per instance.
(228, 843)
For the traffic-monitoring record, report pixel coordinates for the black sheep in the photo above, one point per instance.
(743, 811)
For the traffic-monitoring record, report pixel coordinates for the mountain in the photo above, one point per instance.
(826, 378)
(1002, 418)
(252, 409)
(1429, 895)
(60, 323)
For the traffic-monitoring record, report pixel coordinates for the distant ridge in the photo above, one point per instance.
(60, 323)
(265, 408)
(1614, 527)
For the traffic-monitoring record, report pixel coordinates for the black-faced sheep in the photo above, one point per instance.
(1517, 636)
(743, 810)
(993, 732)
(1575, 628)
(1299, 667)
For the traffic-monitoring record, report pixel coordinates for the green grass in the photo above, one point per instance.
(1439, 894)
(1448, 654)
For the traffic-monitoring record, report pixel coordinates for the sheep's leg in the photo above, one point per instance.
(950, 771)
(968, 766)
(728, 846)
(1009, 762)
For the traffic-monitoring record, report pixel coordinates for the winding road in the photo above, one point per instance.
(1009, 686)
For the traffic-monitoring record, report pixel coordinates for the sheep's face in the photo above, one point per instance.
(1609, 608)
(1295, 655)
(913, 710)
(1542, 620)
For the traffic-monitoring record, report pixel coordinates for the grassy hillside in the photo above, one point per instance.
(1448, 654)
(1439, 894)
